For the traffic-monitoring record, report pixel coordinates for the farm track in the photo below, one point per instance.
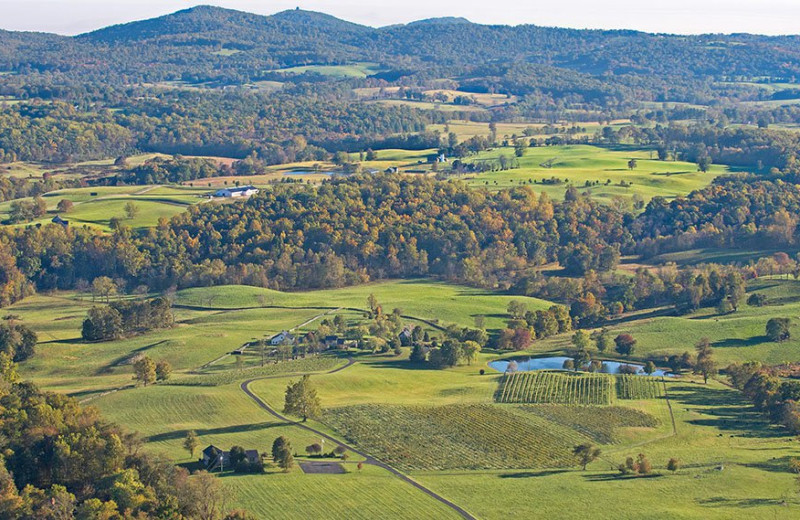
(368, 459)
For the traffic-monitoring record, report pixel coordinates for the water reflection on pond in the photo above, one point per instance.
(527, 364)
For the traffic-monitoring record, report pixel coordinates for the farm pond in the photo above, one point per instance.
(528, 364)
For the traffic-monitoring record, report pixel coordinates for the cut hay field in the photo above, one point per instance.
(225, 417)
(584, 163)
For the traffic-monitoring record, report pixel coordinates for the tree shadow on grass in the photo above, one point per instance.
(774, 465)
(741, 503)
(737, 343)
(607, 477)
(725, 410)
(127, 357)
(238, 428)
(402, 364)
(533, 474)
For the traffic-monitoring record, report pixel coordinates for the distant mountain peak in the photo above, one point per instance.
(443, 20)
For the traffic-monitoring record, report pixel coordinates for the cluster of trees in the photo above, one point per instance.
(126, 317)
(449, 353)
(777, 398)
(146, 371)
(63, 461)
(17, 341)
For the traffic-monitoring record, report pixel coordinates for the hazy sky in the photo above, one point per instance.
(677, 16)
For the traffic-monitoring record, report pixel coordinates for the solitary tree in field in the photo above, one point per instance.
(625, 343)
(778, 329)
(586, 453)
(302, 399)
(163, 370)
(131, 210)
(103, 287)
(144, 370)
(517, 309)
(632, 164)
(602, 339)
(673, 465)
(64, 206)
(703, 163)
(282, 453)
(581, 340)
(190, 442)
(705, 364)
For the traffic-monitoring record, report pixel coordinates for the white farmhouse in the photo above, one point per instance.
(241, 191)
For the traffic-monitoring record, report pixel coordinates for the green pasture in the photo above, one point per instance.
(580, 164)
(96, 207)
(439, 302)
(355, 70)
(66, 363)
(735, 337)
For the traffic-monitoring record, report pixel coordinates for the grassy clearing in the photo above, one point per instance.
(229, 375)
(66, 363)
(358, 494)
(96, 206)
(556, 387)
(355, 70)
(467, 129)
(584, 163)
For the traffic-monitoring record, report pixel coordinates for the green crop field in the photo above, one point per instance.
(602, 424)
(556, 387)
(732, 461)
(638, 387)
(454, 436)
(580, 164)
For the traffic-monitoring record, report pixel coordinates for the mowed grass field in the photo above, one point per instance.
(211, 322)
(582, 163)
(439, 302)
(225, 416)
(66, 363)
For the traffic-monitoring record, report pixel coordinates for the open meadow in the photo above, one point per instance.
(601, 172)
(455, 431)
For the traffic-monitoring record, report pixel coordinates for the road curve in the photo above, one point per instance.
(369, 459)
